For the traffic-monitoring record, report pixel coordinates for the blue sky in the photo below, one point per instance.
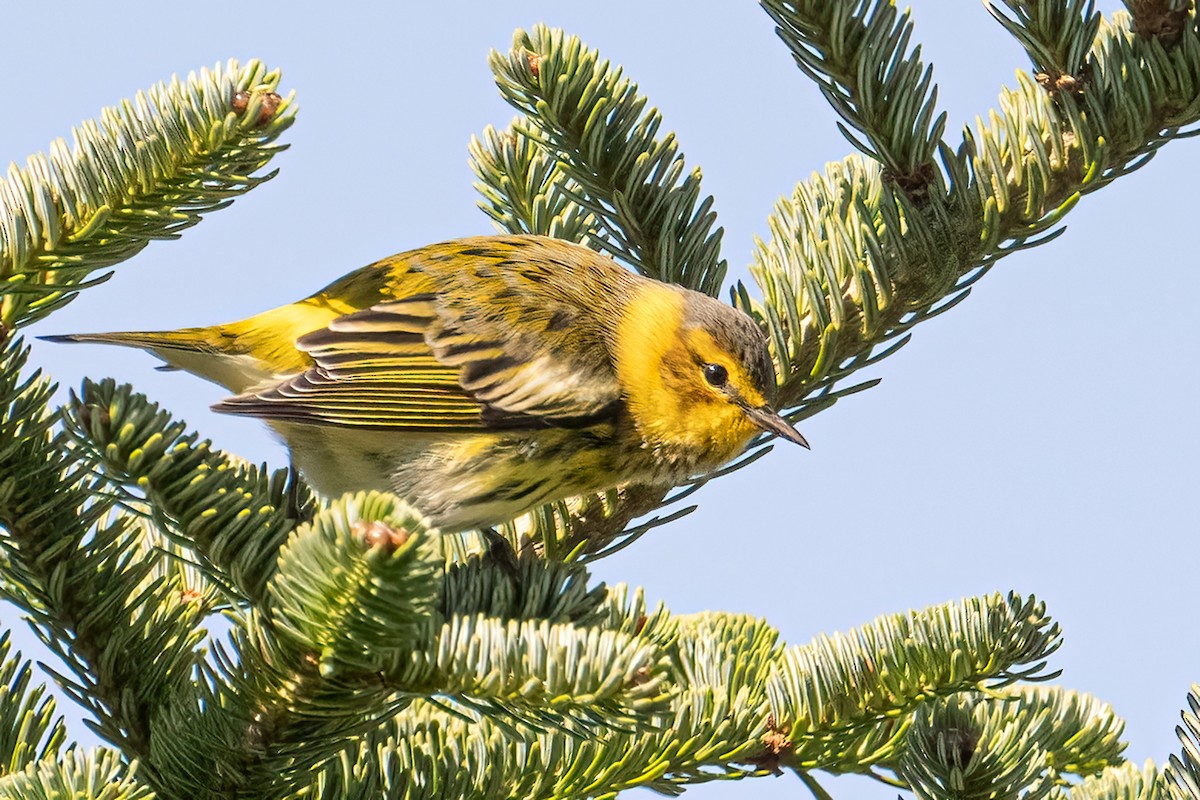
(1036, 438)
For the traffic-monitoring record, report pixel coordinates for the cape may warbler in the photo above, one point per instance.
(482, 377)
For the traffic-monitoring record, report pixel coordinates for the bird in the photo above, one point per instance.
(482, 377)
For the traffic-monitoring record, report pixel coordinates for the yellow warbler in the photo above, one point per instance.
(481, 377)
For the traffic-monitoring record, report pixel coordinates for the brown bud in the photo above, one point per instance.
(640, 676)
(1066, 83)
(266, 110)
(777, 748)
(1062, 81)
(377, 534)
(535, 62)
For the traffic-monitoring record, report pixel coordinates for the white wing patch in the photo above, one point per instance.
(546, 387)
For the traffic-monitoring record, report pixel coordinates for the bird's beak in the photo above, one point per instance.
(766, 418)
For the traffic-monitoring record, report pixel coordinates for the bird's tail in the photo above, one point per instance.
(200, 351)
(187, 339)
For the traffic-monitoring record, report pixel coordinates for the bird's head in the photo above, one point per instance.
(697, 375)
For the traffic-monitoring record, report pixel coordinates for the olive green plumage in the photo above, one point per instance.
(481, 377)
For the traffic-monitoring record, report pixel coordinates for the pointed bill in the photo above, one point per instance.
(766, 418)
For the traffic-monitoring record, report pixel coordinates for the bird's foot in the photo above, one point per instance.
(500, 552)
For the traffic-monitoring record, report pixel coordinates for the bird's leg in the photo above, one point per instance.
(291, 494)
(500, 552)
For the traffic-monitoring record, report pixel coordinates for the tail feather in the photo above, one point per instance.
(188, 339)
(194, 350)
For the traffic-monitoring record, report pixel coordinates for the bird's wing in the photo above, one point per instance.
(417, 364)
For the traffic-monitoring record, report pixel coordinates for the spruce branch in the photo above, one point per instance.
(543, 670)
(858, 55)
(102, 588)
(355, 587)
(1147, 92)
(261, 717)
(867, 675)
(304, 670)
(957, 749)
(525, 189)
(720, 663)
(648, 210)
(29, 730)
(1057, 35)
(1183, 772)
(539, 589)
(121, 620)
(146, 170)
(1079, 734)
(1122, 782)
(1017, 746)
(231, 515)
(855, 259)
(1159, 19)
(97, 775)
(593, 526)
(352, 632)
(721, 725)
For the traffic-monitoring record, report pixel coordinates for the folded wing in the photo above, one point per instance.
(417, 364)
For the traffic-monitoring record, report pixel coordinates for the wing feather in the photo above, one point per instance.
(450, 361)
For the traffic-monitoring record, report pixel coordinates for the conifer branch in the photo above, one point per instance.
(1122, 782)
(539, 590)
(721, 662)
(1163, 20)
(973, 745)
(1080, 734)
(120, 619)
(256, 722)
(858, 257)
(96, 775)
(355, 587)
(1057, 35)
(592, 526)
(1183, 773)
(648, 211)
(525, 189)
(956, 748)
(866, 675)
(721, 724)
(858, 55)
(29, 730)
(148, 169)
(103, 591)
(232, 515)
(352, 632)
(617, 676)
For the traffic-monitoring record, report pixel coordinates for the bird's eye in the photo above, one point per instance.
(715, 374)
